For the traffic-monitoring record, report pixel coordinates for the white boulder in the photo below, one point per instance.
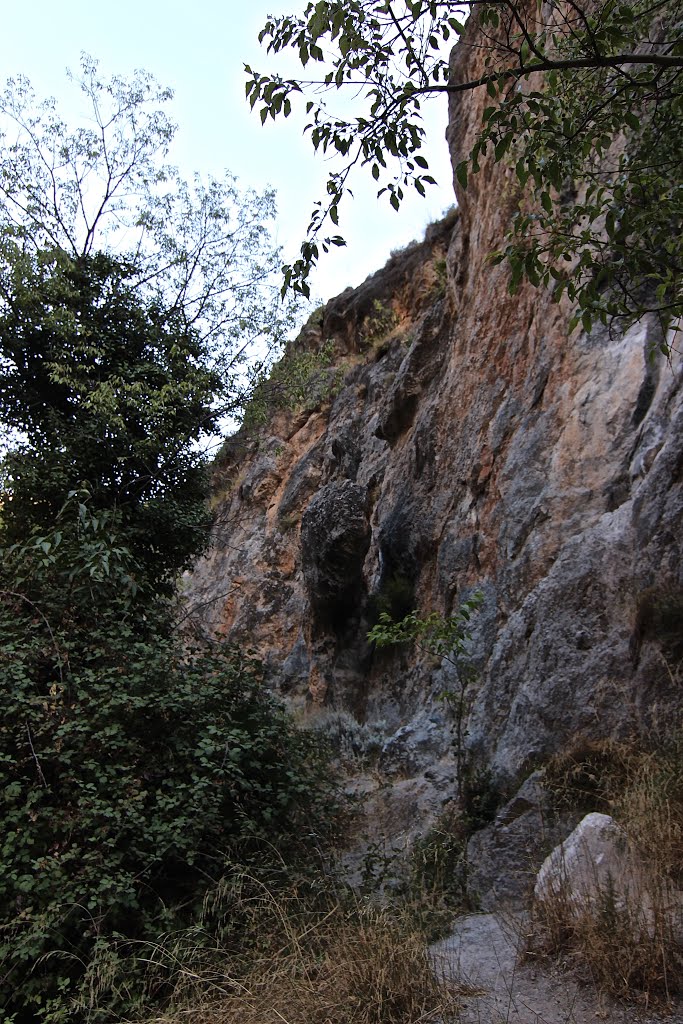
(592, 862)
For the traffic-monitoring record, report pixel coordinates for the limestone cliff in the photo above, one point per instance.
(463, 441)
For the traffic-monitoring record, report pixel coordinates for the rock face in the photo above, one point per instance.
(503, 856)
(335, 537)
(464, 441)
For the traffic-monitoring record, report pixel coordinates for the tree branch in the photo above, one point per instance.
(575, 63)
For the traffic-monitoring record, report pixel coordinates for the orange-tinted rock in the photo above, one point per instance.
(495, 452)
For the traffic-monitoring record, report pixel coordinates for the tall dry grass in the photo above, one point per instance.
(336, 959)
(629, 936)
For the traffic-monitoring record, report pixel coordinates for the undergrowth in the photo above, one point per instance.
(303, 955)
(435, 891)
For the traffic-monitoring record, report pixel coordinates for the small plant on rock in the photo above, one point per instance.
(379, 324)
(298, 380)
(446, 638)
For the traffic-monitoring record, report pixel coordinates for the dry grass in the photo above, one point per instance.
(588, 774)
(629, 937)
(344, 961)
(625, 950)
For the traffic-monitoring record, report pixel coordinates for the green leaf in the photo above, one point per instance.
(502, 147)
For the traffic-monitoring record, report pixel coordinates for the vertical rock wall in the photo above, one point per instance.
(462, 441)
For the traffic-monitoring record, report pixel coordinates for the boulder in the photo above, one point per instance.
(592, 862)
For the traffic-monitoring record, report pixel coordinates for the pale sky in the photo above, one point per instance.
(199, 51)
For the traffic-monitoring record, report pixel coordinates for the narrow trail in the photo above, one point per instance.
(482, 954)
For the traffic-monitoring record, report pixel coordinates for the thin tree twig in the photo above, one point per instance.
(35, 756)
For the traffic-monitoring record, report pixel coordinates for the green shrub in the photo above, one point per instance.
(298, 380)
(378, 325)
(133, 768)
(129, 779)
(482, 797)
(441, 277)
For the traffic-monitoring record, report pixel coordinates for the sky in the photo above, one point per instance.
(199, 50)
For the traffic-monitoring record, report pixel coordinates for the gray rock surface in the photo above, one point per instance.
(504, 857)
(473, 444)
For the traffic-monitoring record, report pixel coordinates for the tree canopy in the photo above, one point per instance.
(200, 250)
(111, 393)
(139, 765)
(585, 101)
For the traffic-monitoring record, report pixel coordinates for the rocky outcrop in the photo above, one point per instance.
(464, 442)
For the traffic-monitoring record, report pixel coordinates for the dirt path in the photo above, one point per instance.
(482, 953)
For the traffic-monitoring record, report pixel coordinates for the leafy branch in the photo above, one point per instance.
(568, 82)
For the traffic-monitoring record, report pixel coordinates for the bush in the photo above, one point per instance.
(436, 888)
(112, 396)
(135, 769)
(132, 771)
(300, 380)
(378, 325)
